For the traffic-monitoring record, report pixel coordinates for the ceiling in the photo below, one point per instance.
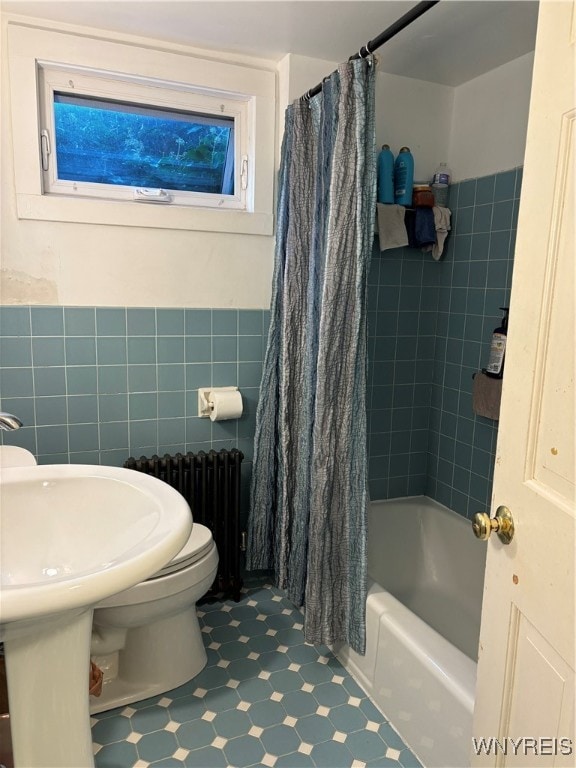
(455, 41)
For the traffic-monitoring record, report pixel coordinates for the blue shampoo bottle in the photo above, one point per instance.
(385, 175)
(403, 177)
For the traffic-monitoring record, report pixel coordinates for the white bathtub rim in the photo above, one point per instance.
(409, 662)
(428, 502)
(450, 666)
(425, 555)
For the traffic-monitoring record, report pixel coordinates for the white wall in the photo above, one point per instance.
(415, 114)
(409, 112)
(82, 264)
(296, 75)
(304, 73)
(479, 128)
(489, 120)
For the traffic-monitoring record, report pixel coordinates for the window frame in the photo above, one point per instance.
(185, 73)
(71, 81)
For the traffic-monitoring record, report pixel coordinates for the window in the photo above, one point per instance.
(113, 137)
(150, 126)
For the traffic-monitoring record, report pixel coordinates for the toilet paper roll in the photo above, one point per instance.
(225, 405)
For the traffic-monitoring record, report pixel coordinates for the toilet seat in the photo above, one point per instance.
(198, 545)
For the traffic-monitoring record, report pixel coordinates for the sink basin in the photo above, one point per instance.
(14, 456)
(70, 536)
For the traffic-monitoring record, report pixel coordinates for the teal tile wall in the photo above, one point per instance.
(430, 325)
(402, 312)
(97, 384)
(475, 279)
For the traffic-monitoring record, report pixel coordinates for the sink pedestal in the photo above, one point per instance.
(48, 673)
(71, 536)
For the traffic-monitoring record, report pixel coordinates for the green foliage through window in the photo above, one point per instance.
(111, 142)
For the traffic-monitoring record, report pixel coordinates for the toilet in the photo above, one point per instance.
(147, 639)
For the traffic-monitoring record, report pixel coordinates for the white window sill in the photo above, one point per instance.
(27, 45)
(132, 214)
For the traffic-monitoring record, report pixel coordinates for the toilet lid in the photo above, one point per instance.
(199, 543)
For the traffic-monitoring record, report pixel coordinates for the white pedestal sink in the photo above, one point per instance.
(71, 535)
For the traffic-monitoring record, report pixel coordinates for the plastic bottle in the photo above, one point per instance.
(403, 177)
(385, 175)
(495, 367)
(440, 182)
(442, 176)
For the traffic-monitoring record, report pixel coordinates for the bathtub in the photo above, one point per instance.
(426, 575)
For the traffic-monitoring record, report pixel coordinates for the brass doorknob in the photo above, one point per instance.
(503, 524)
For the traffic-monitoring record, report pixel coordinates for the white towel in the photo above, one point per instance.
(442, 224)
(391, 227)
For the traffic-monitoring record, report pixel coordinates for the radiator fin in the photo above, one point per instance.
(210, 483)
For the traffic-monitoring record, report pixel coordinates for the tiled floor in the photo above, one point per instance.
(265, 698)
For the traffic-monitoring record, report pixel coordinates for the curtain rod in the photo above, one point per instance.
(382, 38)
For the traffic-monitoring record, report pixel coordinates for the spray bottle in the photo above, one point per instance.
(495, 365)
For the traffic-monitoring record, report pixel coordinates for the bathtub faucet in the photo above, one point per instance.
(8, 421)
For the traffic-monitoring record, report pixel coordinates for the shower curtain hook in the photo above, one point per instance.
(366, 50)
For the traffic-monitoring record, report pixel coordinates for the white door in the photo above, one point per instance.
(525, 696)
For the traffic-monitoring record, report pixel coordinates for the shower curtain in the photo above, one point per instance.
(309, 484)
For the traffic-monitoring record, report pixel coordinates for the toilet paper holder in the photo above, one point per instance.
(205, 404)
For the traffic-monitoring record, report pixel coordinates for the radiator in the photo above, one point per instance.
(210, 483)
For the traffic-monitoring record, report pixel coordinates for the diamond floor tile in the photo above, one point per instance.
(265, 698)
